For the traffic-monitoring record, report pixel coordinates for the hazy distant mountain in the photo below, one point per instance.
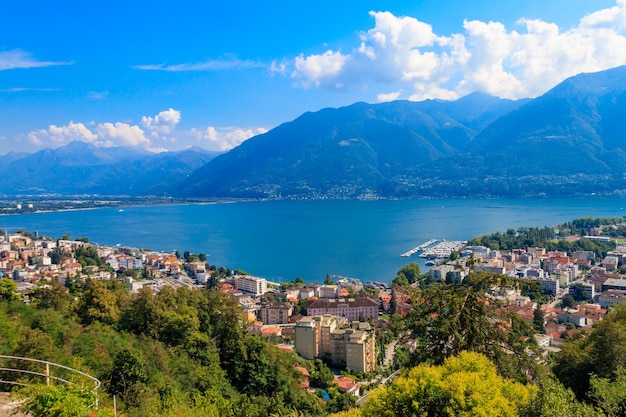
(81, 168)
(349, 151)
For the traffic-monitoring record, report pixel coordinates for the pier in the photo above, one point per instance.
(442, 249)
(418, 248)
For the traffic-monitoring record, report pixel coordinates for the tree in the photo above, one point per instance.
(322, 376)
(328, 280)
(98, 303)
(128, 370)
(8, 289)
(464, 385)
(602, 353)
(202, 257)
(568, 301)
(57, 401)
(411, 272)
(449, 319)
(54, 296)
(554, 400)
(393, 304)
(539, 321)
(299, 280)
(610, 394)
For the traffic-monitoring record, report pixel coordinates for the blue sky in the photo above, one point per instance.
(169, 75)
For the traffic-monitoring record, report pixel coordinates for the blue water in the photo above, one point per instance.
(280, 240)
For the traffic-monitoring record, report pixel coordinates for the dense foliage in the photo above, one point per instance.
(178, 352)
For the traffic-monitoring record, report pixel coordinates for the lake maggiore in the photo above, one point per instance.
(280, 240)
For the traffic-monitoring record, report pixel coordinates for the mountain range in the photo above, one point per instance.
(80, 168)
(569, 141)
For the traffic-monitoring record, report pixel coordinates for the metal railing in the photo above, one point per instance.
(47, 374)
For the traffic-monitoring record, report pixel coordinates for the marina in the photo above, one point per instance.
(419, 248)
(443, 249)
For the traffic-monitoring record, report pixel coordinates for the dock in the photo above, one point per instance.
(442, 249)
(418, 248)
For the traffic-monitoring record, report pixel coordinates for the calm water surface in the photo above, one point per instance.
(280, 240)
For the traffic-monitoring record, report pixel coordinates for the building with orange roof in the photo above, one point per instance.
(347, 385)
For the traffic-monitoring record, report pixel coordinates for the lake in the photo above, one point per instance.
(280, 240)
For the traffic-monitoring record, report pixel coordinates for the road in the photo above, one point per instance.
(384, 381)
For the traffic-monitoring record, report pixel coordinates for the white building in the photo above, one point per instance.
(251, 285)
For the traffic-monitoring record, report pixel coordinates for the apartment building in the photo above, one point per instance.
(351, 308)
(251, 285)
(345, 344)
(275, 313)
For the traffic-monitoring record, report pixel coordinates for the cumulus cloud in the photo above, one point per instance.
(163, 123)
(226, 138)
(108, 134)
(383, 97)
(17, 58)
(524, 61)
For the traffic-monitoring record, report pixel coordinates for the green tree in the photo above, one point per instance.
(554, 400)
(411, 272)
(568, 301)
(602, 353)
(54, 296)
(449, 319)
(97, 303)
(539, 321)
(610, 394)
(8, 289)
(129, 369)
(58, 401)
(322, 376)
(464, 385)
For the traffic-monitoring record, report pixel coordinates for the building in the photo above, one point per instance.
(611, 297)
(275, 313)
(345, 344)
(361, 308)
(307, 332)
(251, 285)
(614, 284)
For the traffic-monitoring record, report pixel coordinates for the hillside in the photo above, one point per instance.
(348, 152)
(566, 142)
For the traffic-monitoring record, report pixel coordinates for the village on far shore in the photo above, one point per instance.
(336, 320)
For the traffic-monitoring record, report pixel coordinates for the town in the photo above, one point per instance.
(332, 320)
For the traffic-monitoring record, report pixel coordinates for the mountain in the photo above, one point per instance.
(567, 142)
(81, 168)
(577, 127)
(570, 141)
(350, 151)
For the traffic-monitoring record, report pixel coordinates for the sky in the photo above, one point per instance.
(172, 75)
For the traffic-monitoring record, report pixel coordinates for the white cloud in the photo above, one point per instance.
(524, 61)
(320, 70)
(209, 65)
(611, 18)
(383, 97)
(61, 135)
(109, 134)
(19, 59)
(227, 138)
(162, 123)
(122, 134)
